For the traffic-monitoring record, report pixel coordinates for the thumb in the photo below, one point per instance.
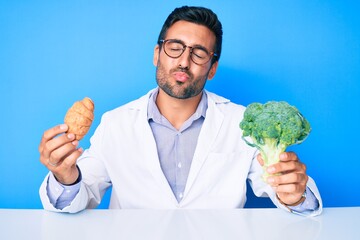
(260, 159)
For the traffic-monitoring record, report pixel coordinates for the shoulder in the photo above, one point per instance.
(133, 108)
(225, 105)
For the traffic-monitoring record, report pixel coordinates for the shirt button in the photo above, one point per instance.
(179, 165)
(180, 195)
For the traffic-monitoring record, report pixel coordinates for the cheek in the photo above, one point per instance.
(168, 65)
(161, 72)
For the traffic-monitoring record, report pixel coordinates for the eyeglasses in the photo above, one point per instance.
(198, 54)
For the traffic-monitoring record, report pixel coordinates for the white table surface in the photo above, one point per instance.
(265, 224)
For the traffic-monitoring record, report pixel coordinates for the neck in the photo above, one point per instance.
(177, 111)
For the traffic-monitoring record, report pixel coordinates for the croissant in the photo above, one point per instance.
(80, 117)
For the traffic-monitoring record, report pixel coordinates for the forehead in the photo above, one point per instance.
(192, 34)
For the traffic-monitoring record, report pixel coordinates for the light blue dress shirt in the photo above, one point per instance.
(176, 147)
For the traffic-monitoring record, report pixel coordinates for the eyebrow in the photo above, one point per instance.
(193, 46)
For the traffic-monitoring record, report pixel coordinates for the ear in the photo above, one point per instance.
(213, 70)
(156, 55)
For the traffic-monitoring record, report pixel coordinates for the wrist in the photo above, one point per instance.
(76, 178)
(298, 202)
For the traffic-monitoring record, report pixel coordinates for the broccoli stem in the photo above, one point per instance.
(270, 152)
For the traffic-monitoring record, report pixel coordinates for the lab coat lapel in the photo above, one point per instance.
(151, 158)
(209, 131)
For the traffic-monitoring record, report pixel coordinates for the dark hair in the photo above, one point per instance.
(199, 15)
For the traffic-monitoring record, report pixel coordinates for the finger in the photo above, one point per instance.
(288, 156)
(66, 172)
(51, 133)
(56, 143)
(71, 159)
(291, 178)
(260, 159)
(59, 154)
(291, 188)
(286, 167)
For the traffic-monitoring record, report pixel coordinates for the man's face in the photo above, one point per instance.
(180, 77)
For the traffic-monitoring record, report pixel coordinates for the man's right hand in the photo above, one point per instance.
(59, 152)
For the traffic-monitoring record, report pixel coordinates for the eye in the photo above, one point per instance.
(200, 53)
(174, 47)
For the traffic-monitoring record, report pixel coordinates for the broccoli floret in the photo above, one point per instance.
(272, 127)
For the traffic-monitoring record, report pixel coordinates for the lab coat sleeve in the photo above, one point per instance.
(79, 203)
(95, 180)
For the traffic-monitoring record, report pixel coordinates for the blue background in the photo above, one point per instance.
(52, 53)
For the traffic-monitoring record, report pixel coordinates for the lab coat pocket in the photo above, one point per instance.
(227, 173)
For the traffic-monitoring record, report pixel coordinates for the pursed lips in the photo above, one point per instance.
(181, 76)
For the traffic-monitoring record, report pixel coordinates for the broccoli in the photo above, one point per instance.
(272, 127)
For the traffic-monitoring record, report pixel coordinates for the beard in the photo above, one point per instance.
(180, 90)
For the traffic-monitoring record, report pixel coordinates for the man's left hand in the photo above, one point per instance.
(288, 178)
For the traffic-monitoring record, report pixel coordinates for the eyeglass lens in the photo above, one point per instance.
(175, 49)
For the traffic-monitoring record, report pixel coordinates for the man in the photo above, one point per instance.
(178, 146)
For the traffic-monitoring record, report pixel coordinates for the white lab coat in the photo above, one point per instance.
(123, 154)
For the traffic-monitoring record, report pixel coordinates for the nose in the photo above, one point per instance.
(185, 58)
